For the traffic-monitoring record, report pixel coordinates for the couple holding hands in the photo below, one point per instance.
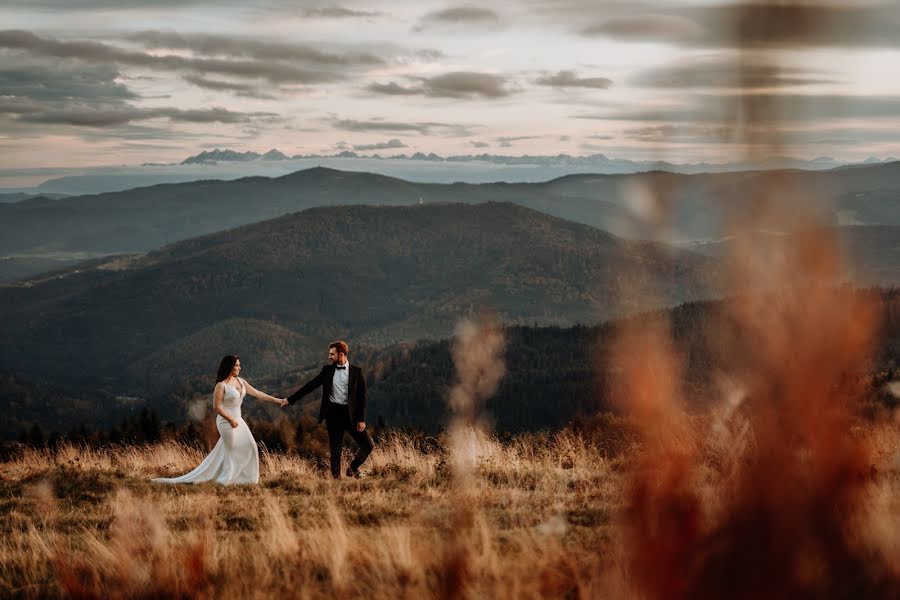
(235, 457)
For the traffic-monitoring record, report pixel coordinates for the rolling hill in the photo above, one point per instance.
(555, 375)
(375, 275)
(871, 253)
(144, 219)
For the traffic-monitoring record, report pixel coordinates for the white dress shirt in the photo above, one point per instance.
(340, 384)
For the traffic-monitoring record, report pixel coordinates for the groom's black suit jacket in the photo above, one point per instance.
(356, 392)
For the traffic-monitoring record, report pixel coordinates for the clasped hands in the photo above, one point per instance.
(282, 402)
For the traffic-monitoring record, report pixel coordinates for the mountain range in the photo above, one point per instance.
(376, 275)
(217, 155)
(168, 278)
(43, 233)
(871, 253)
(595, 163)
(19, 196)
(554, 376)
(419, 166)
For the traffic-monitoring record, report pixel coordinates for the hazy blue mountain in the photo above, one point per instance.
(142, 219)
(594, 163)
(872, 252)
(426, 168)
(19, 196)
(213, 156)
(220, 155)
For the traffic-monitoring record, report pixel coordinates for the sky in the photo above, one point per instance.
(111, 82)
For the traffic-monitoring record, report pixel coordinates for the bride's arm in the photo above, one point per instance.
(262, 395)
(218, 395)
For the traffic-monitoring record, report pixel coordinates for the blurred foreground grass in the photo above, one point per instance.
(536, 520)
(540, 517)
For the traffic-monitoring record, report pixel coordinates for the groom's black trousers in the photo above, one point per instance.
(337, 421)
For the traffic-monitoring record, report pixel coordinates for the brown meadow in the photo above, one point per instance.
(540, 516)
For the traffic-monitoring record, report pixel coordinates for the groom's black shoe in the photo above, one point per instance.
(353, 473)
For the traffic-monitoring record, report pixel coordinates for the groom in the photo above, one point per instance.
(343, 407)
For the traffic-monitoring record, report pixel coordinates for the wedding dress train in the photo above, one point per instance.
(235, 458)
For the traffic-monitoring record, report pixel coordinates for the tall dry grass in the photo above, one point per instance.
(541, 516)
(87, 523)
(782, 498)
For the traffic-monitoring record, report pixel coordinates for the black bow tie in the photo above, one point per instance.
(340, 368)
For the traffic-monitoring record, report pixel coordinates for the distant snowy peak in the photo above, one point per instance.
(274, 154)
(217, 156)
(214, 156)
(596, 162)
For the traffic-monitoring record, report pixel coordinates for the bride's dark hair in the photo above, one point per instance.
(226, 366)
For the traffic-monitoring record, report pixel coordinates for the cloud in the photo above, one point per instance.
(430, 54)
(241, 89)
(646, 27)
(461, 15)
(220, 45)
(338, 12)
(507, 141)
(583, 9)
(787, 108)
(466, 84)
(104, 5)
(684, 133)
(753, 24)
(276, 72)
(132, 131)
(354, 125)
(770, 23)
(106, 117)
(479, 144)
(422, 128)
(390, 144)
(60, 80)
(393, 89)
(67, 92)
(725, 71)
(58, 6)
(456, 84)
(14, 106)
(566, 79)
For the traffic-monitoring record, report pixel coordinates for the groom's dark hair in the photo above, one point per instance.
(340, 346)
(226, 366)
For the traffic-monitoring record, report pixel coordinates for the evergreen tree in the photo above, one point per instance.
(36, 435)
(149, 427)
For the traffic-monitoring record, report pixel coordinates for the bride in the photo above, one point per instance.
(235, 458)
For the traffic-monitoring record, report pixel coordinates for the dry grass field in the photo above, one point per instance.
(539, 516)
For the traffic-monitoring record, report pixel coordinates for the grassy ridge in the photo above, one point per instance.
(542, 516)
(533, 523)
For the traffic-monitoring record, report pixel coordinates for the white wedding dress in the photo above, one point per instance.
(235, 458)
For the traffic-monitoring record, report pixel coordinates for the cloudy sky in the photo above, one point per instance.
(102, 82)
